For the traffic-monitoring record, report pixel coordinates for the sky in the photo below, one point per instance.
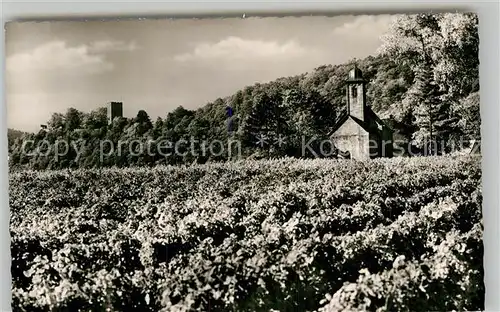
(158, 65)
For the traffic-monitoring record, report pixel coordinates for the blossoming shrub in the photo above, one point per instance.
(311, 235)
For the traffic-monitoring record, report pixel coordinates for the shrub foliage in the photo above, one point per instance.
(287, 234)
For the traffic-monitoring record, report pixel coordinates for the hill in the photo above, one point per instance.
(13, 135)
(426, 93)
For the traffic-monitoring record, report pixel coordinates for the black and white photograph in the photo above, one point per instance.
(313, 163)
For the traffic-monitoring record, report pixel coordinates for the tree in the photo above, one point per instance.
(310, 116)
(266, 123)
(158, 128)
(448, 43)
(175, 116)
(73, 119)
(468, 109)
(96, 119)
(442, 50)
(56, 123)
(435, 119)
(143, 121)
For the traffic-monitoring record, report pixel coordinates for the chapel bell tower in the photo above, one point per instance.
(356, 94)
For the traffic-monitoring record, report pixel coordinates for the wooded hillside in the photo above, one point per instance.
(424, 82)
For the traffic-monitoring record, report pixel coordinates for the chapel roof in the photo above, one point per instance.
(371, 124)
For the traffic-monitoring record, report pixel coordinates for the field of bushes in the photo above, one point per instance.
(273, 235)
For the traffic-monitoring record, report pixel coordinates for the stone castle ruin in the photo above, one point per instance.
(115, 109)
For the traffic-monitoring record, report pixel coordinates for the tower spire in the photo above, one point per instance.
(356, 93)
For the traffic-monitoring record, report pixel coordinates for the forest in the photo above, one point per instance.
(423, 81)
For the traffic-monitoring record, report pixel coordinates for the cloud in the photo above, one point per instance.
(109, 45)
(236, 48)
(57, 56)
(365, 26)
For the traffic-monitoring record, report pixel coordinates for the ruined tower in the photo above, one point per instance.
(115, 109)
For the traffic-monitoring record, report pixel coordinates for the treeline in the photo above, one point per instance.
(423, 82)
(13, 134)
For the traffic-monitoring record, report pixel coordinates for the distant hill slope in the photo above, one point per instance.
(13, 134)
(305, 105)
(387, 85)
